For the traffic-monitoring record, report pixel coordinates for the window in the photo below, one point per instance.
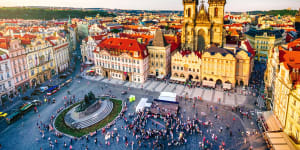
(216, 12)
(9, 83)
(8, 76)
(181, 68)
(138, 71)
(138, 62)
(174, 67)
(161, 65)
(189, 12)
(32, 72)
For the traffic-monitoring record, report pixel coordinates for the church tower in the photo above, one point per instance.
(188, 32)
(297, 23)
(216, 15)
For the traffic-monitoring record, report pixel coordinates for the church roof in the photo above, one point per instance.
(202, 14)
(159, 39)
(222, 51)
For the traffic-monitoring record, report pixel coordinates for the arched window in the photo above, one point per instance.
(216, 12)
(189, 12)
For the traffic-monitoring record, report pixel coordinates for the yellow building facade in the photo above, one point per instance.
(186, 66)
(287, 95)
(226, 68)
(219, 66)
(41, 65)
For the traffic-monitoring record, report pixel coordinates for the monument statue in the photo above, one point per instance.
(89, 99)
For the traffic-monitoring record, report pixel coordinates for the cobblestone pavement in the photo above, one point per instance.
(24, 133)
(241, 97)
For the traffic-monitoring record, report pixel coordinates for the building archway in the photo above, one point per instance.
(219, 82)
(33, 82)
(127, 77)
(175, 75)
(191, 77)
(211, 79)
(228, 82)
(241, 83)
(201, 40)
(182, 75)
(106, 74)
(204, 78)
(197, 78)
(45, 77)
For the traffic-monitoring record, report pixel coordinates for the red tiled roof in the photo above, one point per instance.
(291, 61)
(30, 36)
(4, 42)
(98, 37)
(4, 57)
(249, 48)
(120, 45)
(294, 45)
(25, 41)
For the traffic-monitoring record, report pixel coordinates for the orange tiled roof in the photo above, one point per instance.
(4, 42)
(117, 46)
(294, 45)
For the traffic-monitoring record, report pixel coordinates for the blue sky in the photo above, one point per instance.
(232, 5)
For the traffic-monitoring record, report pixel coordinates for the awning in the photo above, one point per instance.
(271, 121)
(88, 63)
(178, 79)
(89, 71)
(160, 77)
(227, 86)
(279, 141)
(209, 83)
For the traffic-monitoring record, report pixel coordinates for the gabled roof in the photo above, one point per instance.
(159, 39)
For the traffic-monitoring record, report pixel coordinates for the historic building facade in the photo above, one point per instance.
(60, 53)
(40, 61)
(201, 28)
(186, 66)
(286, 94)
(226, 68)
(264, 40)
(7, 87)
(18, 61)
(123, 59)
(160, 56)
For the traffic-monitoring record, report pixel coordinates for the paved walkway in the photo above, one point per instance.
(228, 99)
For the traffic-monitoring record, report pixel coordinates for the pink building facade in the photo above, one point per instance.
(18, 65)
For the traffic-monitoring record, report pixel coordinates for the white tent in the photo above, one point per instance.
(142, 104)
(167, 96)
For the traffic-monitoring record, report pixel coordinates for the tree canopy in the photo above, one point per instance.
(47, 14)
